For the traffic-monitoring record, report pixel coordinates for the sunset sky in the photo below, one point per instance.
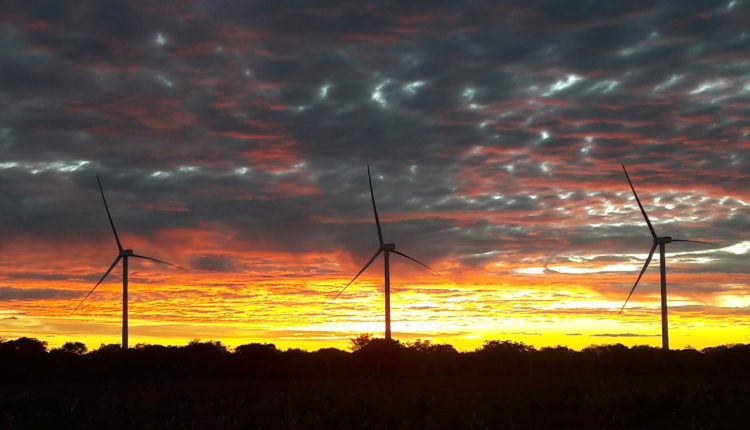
(232, 139)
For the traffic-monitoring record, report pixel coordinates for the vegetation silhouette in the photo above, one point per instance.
(76, 348)
(378, 384)
(369, 356)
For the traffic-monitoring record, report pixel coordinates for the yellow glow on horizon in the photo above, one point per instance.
(546, 323)
(273, 303)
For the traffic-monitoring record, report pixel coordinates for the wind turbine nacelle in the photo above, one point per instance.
(665, 239)
(388, 247)
(126, 253)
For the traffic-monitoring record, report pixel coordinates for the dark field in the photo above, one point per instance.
(503, 385)
(382, 403)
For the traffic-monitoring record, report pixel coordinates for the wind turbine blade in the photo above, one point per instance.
(693, 241)
(158, 261)
(114, 230)
(643, 211)
(415, 260)
(645, 266)
(357, 276)
(97, 284)
(374, 208)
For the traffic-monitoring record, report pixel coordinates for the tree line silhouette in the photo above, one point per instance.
(28, 359)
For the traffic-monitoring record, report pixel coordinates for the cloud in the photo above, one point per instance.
(214, 263)
(10, 294)
(623, 335)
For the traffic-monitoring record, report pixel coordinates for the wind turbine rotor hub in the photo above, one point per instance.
(388, 247)
(665, 239)
(126, 253)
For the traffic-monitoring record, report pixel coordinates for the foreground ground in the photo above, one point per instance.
(512, 402)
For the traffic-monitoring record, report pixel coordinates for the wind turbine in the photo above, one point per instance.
(386, 249)
(660, 241)
(123, 254)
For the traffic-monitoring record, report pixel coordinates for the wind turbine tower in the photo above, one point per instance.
(124, 255)
(386, 249)
(661, 242)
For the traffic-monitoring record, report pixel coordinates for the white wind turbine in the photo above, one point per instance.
(386, 249)
(123, 254)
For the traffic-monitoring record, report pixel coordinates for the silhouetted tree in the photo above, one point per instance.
(23, 359)
(24, 346)
(296, 362)
(425, 357)
(600, 350)
(77, 348)
(557, 360)
(214, 347)
(30, 361)
(504, 356)
(505, 347)
(380, 356)
(267, 350)
(360, 341)
(257, 358)
(203, 358)
(107, 348)
(332, 361)
(427, 347)
(381, 346)
(728, 359)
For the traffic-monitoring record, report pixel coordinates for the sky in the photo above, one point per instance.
(232, 139)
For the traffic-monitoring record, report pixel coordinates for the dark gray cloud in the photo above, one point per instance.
(10, 293)
(214, 263)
